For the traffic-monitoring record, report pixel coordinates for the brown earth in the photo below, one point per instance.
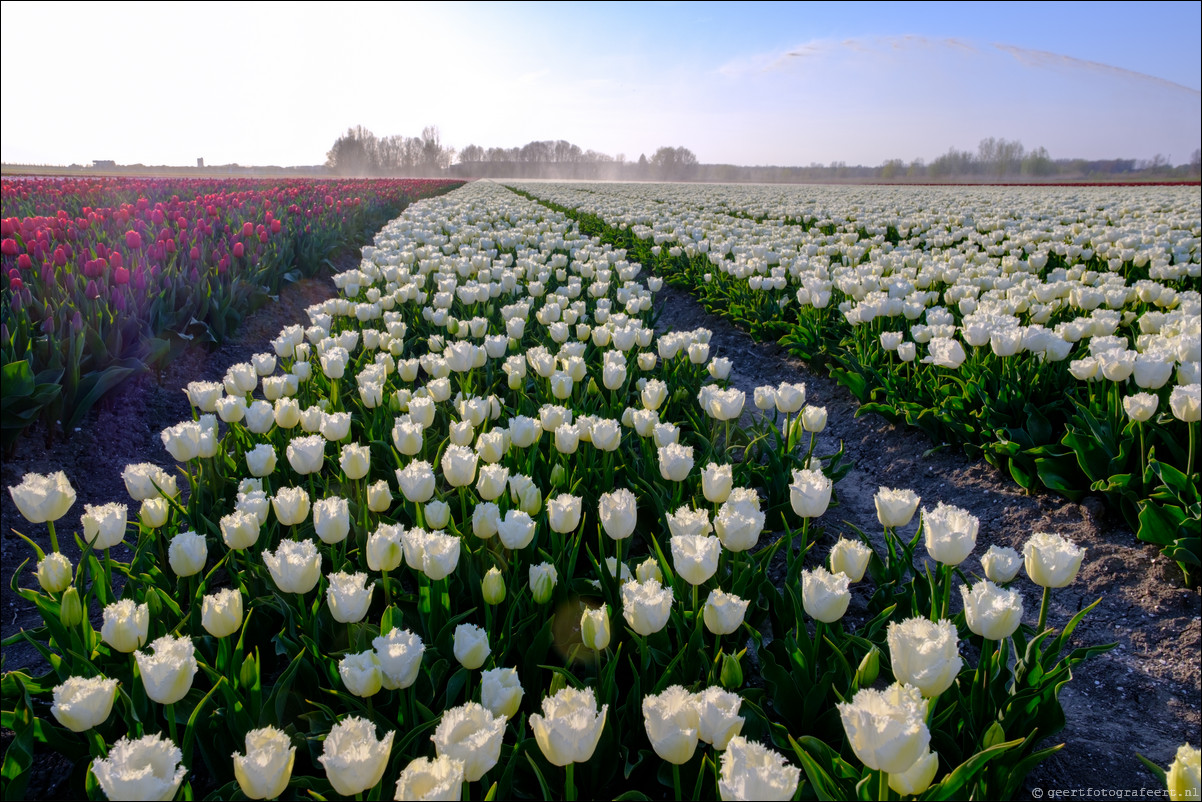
(1143, 696)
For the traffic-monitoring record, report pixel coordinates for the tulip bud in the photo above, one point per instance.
(594, 628)
(154, 512)
(559, 477)
(70, 608)
(331, 519)
(355, 460)
(471, 646)
(716, 482)
(493, 586)
(438, 514)
(917, 778)
(54, 572)
(869, 668)
(731, 676)
(187, 553)
(361, 674)
(542, 582)
(648, 570)
(379, 497)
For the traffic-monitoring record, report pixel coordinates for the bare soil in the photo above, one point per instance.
(1143, 696)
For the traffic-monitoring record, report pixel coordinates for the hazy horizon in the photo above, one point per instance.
(753, 84)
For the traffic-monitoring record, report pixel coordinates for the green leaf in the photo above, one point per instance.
(93, 386)
(956, 784)
(19, 757)
(1157, 771)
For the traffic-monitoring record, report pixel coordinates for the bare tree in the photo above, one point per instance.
(672, 163)
(354, 153)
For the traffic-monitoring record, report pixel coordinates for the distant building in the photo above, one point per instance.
(104, 164)
(200, 162)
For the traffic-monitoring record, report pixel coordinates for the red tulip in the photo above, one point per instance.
(133, 240)
(120, 276)
(9, 247)
(238, 249)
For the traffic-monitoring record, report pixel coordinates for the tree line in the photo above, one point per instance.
(359, 152)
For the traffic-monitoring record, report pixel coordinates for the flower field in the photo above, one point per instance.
(1056, 334)
(478, 531)
(108, 277)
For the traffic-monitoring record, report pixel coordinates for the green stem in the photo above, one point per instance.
(1143, 455)
(986, 670)
(1193, 436)
(1043, 610)
(53, 536)
(171, 725)
(97, 747)
(883, 791)
(569, 782)
(676, 780)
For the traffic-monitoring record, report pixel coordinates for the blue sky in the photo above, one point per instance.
(747, 83)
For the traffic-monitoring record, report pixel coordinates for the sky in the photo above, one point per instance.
(739, 83)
